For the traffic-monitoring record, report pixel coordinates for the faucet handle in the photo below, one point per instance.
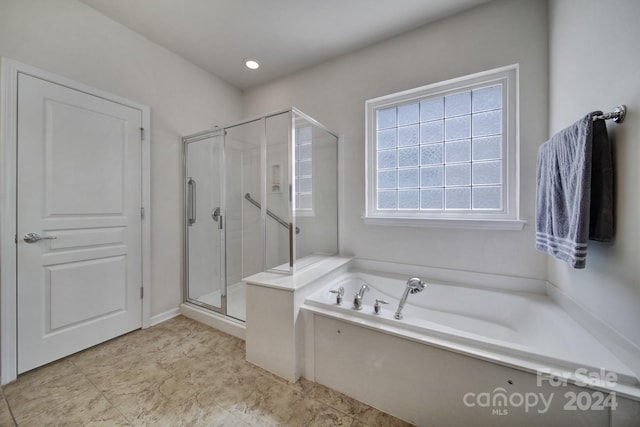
(377, 308)
(339, 291)
(339, 294)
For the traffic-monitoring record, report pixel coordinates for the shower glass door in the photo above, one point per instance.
(205, 222)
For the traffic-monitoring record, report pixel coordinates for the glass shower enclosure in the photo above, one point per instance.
(260, 195)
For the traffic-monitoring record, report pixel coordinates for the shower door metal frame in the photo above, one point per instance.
(216, 132)
(221, 131)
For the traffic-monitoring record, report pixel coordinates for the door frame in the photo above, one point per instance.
(9, 71)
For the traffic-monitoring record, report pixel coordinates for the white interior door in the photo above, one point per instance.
(79, 187)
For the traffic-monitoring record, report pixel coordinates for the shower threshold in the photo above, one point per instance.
(236, 300)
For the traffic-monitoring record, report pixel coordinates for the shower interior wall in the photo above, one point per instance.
(278, 138)
(245, 243)
(247, 246)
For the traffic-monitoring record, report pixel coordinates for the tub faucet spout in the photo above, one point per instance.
(414, 285)
(357, 300)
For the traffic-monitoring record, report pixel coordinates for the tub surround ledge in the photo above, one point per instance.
(300, 278)
(274, 326)
(624, 349)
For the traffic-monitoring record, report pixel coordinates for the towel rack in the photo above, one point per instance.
(617, 115)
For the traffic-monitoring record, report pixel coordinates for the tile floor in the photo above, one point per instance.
(178, 373)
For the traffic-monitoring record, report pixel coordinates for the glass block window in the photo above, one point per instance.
(304, 169)
(441, 153)
(444, 150)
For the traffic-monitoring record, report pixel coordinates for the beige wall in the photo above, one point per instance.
(70, 39)
(595, 65)
(489, 36)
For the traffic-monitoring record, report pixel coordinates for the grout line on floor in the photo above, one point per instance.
(15, 423)
(99, 391)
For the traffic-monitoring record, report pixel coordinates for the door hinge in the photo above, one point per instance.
(15, 237)
(142, 213)
(142, 134)
(141, 292)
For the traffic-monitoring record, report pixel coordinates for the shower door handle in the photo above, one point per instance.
(191, 201)
(217, 217)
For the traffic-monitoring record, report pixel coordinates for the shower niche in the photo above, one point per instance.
(260, 195)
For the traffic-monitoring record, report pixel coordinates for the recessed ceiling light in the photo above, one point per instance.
(252, 64)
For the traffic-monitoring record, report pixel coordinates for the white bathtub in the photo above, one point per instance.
(520, 334)
(523, 330)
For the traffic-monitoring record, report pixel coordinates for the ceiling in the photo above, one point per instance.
(285, 36)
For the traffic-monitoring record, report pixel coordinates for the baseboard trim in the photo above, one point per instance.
(163, 317)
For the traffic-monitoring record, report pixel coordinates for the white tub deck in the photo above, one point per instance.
(524, 330)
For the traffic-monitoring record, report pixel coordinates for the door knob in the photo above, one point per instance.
(34, 237)
(216, 215)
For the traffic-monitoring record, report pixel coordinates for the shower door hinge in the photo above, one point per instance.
(141, 292)
(142, 213)
(142, 134)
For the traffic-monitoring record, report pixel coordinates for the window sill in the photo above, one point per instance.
(461, 223)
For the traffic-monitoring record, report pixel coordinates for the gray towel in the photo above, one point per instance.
(574, 200)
